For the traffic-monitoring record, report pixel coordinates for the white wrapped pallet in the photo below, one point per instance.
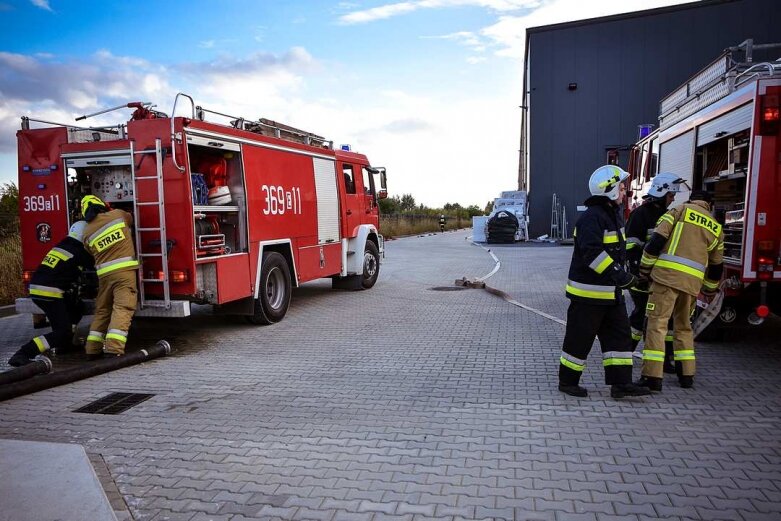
(514, 194)
(478, 228)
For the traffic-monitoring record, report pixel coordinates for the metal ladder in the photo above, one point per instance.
(158, 152)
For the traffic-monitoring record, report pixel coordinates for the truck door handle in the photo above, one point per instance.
(349, 212)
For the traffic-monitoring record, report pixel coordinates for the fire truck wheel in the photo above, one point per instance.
(371, 265)
(275, 288)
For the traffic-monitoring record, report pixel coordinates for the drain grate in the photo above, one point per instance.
(448, 288)
(114, 403)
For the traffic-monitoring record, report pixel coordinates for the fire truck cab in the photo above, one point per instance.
(229, 214)
(720, 131)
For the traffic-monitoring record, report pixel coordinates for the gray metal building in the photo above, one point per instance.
(589, 84)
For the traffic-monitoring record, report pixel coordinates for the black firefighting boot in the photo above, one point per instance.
(651, 383)
(25, 355)
(687, 382)
(573, 390)
(628, 390)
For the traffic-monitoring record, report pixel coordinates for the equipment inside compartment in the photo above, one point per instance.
(217, 184)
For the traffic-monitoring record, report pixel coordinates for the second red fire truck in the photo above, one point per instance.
(721, 131)
(230, 214)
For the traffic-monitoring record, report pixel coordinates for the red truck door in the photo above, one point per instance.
(353, 208)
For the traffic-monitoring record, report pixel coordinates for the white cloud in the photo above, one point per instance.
(400, 8)
(43, 4)
(206, 44)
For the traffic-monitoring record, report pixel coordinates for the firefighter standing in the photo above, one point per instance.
(642, 222)
(442, 223)
(682, 259)
(51, 290)
(595, 289)
(107, 237)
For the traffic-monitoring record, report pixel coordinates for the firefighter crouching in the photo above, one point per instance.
(595, 289)
(682, 258)
(639, 229)
(108, 238)
(51, 290)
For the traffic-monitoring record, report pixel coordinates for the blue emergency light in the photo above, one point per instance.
(346, 148)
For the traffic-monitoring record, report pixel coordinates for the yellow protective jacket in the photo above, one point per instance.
(686, 249)
(108, 239)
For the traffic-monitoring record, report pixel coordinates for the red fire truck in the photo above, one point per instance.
(720, 131)
(231, 214)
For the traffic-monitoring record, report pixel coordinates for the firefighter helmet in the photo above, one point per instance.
(606, 181)
(88, 200)
(665, 183)
(77, 230)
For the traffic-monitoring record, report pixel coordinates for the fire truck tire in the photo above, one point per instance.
(371, 265)
(275, 289)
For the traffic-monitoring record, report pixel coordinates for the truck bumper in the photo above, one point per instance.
(179, 308)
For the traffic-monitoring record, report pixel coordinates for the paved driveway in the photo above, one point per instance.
(412, 402)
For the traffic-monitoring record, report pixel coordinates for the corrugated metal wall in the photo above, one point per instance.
(622, 68)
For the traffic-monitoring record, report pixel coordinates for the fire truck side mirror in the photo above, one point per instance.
(382, 194)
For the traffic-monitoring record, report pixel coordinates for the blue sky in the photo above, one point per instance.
(427, 88)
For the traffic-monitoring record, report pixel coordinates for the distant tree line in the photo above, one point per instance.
(9, 210)
(405, 204)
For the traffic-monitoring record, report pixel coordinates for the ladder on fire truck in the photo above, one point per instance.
(156, 200)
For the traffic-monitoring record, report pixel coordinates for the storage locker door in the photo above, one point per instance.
(327, 200)
(677, 156)
(726, 124)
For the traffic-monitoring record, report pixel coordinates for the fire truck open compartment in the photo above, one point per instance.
(219, 197)
(107, 177)
(721, 167)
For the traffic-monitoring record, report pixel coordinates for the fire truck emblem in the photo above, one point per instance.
(44, 232)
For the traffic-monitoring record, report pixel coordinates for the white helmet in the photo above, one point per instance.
(606, 180)
(77, 230)
(665, 183)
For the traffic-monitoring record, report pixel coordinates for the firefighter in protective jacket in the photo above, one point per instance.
(682, 258)
(108, 238)
(642, 222)
(595, 287)
(51, 289)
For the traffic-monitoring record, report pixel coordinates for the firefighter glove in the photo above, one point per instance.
(624, 279)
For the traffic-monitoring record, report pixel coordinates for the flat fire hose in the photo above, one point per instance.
(708, 314)
(39, 383)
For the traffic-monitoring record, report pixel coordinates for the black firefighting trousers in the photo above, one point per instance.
(62, 314)
(610, 324)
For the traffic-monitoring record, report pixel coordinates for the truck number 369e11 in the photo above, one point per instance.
(278, 200)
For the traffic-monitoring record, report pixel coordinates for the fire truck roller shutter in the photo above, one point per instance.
(327, 200)
(677, 156)
(726, 124)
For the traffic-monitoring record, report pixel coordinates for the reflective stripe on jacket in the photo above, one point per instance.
(108, 238)
(599, 254)
(60, 268)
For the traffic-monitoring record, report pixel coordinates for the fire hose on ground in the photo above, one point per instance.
(25, 380)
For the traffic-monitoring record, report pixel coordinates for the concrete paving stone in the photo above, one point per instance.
(167, 515)
(414, 509)
(341, 515)
(767, 506)
(679, 511)
(758, 516)
(365, 495)
(614, 517)
(640, 509)
(494, 513)
(523, 515)
(576, 516)
(446, 511)
(308, 514)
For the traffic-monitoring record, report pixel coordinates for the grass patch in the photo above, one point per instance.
(11, 285)
(399, 225)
